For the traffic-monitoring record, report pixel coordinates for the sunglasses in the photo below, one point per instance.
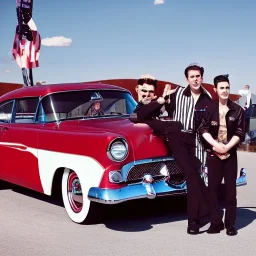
(149, 81)
(147, 91)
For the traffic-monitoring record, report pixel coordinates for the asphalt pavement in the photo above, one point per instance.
(35, 224)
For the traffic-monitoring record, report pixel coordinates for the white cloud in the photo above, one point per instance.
(7, 71)
(159, 2)
(59, 41)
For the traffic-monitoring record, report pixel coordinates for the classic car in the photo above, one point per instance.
(57, 138)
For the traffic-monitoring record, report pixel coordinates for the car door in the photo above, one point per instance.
(19, 139)
(5, 119)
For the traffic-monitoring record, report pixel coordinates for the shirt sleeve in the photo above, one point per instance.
(170, 107)
(204, 126)
(240, 129)
(144, 111)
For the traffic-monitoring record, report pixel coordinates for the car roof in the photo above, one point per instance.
(43, 90)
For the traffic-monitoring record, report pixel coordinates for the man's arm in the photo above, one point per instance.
(143, 111)
(238, 137)
(240, 129)
(208, 137)
(204, 128)
(170, 97)
(248, 100)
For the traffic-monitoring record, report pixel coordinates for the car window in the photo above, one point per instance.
(86, 104)
(118, 106)
(6, 112)
(25, 110)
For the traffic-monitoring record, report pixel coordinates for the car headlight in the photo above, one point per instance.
(118, 150)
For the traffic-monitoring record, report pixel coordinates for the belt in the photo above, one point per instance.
(188, 131)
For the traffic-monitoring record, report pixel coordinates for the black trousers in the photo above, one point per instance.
(182, 146)
(217, 170)
(26, 14)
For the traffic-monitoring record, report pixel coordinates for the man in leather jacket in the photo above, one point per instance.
(223, 128)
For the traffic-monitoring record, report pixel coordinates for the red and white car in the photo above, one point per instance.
(48, 140)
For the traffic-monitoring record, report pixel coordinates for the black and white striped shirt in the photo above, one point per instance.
(189, 114)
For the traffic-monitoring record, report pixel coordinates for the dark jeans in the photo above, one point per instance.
(182, 146)
(217, 170)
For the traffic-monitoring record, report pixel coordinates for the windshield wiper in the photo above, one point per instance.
(71, 118)
(116, 114)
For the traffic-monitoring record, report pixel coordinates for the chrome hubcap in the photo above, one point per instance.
(75, 194)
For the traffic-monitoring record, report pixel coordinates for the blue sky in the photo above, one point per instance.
(127, 38)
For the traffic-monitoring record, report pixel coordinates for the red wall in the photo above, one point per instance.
(7, 87)
(128, 84)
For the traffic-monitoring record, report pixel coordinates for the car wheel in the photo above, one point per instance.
(74, 194)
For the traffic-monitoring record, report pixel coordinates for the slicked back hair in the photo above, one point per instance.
(194, 67)
(219, 79)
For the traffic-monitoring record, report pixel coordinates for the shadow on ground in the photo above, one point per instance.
(245, 216)
(137, 215)
(55, 199)
(140, 215)
(131, 216)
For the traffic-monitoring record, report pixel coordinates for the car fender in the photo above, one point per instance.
(87, 168)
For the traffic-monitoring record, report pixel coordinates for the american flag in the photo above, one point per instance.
(27, 53)
(25, 3)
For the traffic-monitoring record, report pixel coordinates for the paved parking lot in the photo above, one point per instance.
(34, 224)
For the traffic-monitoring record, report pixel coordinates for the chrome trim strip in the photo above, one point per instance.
(133, 192)
(126, 168)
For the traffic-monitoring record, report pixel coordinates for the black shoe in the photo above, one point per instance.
(193, 228)
(231, 231)
(215, 228)
(203, 222)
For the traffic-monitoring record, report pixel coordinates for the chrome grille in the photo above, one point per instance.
(137, 172)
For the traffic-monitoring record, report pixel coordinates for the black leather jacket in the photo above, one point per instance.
(235, 121)
(149, 111)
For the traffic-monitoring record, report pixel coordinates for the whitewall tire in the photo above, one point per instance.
(74, 194)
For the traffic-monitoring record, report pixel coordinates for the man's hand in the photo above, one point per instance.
(147, 100)
(222, 156)
(221, 149)
(168, 90)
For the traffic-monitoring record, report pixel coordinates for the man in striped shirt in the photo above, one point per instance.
(188, 105)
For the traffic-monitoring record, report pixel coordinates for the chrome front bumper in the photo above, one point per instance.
(145, 189)
(135, 191)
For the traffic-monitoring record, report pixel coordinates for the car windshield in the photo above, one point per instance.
(85, 104)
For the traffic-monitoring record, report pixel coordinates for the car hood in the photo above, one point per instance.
(140, 137)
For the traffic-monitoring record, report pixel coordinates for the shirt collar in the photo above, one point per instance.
(231, 105)
(187, 91)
